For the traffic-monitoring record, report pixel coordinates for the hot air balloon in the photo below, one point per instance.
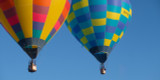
(99, 25)
(32, 23)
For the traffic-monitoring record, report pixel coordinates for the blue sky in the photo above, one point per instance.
(136, 57)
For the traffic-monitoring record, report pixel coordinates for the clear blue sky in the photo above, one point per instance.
(136, 57)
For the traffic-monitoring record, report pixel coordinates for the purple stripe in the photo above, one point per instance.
(110, 29)
(100, 35)
(53, 32)
(92, 43)
(17, 28)
(40, 9)
(61, 19)
(98, 8)
(114, 2)
(121, 25)
(70, 1)
(127, 23)
(83, 18)
(10, 12)
(76, 29)
(127, 1)
(38, 25)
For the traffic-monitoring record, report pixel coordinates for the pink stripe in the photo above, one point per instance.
(57, 26)
(13, 20)
(67, 6)
(39, 17)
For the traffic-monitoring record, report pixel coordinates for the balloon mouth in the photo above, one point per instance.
(32, 46)
(102, 52)
(101, 56)
(32, 50)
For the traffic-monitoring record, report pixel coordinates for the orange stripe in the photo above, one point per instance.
(65, 12)
(45, 3)
(6, 4)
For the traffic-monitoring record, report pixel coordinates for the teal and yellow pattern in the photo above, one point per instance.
(32, 23)
(99, 24)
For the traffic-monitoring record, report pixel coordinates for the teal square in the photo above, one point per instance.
(126, 6)
(37, 33)
(81, 11)
(113, 8)
(20, 35)
(98, 15)
(48, 38)
(88, 46)
(108, 35)
(97, 2)
(85, 24)
(112, 23)
(112, 44)
(75, 1)
(71, 10)
(118, 31)
(123, 19)
(124, 30)
(99, 29)
(73, 23)
(118, 40)
(100, 42)
(91, 37)
(129, 17)
(79, 34)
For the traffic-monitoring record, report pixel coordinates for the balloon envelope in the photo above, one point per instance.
(32, 23)
(99, 24)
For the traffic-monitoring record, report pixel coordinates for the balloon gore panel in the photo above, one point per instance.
(32, 23)
(99, 24)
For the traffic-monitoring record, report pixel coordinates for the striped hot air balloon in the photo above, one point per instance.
(32, 23)
(99, 24)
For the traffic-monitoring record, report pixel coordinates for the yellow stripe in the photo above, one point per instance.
(84, 40)
(81, 4)
(54, 13)
(125, 12)
(34, 46)
(112, 15)
(69, 27)
(107, 42)
(121, 35)
(5, 23)
(24, 10)
(115, 38)
(99, 22)
(71, 17)
(88, 31)
(130, 12)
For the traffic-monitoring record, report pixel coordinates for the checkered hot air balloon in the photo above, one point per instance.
(32, 23)
(99, 24)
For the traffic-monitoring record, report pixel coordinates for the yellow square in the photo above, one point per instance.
(130, 12)
(125, 13)
(86, 48)
(112, 15)
(115, 38)
(121, 35)
(70, 29)
(71, 17)
(34, 46)
(99, 22)
(107, 42)
(88, 31)
(84, 40)
(81, 4)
